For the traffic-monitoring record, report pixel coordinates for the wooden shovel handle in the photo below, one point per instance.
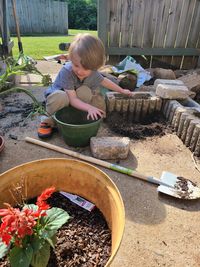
(17, 26)
(102, 163)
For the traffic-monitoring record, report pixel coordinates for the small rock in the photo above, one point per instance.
(192, 81)
(160, 73)
(12, 136)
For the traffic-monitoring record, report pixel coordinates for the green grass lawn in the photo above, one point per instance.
(39, 46)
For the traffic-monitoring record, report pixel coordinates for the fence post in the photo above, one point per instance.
(102, 22)
(6, 47)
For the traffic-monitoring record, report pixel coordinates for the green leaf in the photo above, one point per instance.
(31, 207)
(21, 256)
(55, 218)
(37, 243)
(41, 258)
(51, 241)
(3, 249)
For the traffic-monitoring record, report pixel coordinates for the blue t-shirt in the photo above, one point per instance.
(67, 80)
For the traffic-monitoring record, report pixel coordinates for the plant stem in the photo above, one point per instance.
(37, 105)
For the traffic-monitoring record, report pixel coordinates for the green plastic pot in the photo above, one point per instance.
(74, 126)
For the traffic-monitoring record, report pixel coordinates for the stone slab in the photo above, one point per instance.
(110, 147)
(170, 82)
(167, 91)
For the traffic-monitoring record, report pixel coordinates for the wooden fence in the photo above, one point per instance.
(167, 28)
(39, 16)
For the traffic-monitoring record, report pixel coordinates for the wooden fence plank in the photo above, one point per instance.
(103, 19)
(49, 13)
(173, 23)
(191, 62)
(23, 7)
(149, 27)
(172, 27)
(126, 23)
(195, 26)
(163, 11)
(161, 22)
(184, 27)
(115, 22)
(36, 25)
(115, 26)
(40, 16)
(138, 22)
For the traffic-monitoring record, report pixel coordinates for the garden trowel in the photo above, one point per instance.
(169, 183)
(173, 185)
(180, 186)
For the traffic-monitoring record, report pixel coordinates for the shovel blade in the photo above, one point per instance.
(179, 187)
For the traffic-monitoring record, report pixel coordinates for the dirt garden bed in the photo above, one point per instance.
(152, 126)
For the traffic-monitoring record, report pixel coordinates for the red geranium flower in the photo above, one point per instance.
(17, 224)
(41, 200)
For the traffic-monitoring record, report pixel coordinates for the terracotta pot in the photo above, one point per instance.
(72, 176)
(2, 143)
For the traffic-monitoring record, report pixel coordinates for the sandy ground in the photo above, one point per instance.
(159, 230)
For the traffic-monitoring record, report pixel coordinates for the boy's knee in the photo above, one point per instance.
(98, 101)
(56, 101)
(84, 93)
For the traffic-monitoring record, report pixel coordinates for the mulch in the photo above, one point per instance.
(84, 241)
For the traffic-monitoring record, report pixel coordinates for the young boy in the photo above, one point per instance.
(76, 81)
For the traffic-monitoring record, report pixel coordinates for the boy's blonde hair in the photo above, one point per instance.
(90, 49)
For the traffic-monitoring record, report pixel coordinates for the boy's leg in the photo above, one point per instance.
(98, 101)
(85, 94)
(59, 99)
(54, 102)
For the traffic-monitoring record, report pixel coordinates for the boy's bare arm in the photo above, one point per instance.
(114, 87)
(74, 101)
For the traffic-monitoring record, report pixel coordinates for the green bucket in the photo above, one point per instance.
(74, 126)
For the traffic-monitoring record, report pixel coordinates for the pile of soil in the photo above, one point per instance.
(84, 241)
(151, 126)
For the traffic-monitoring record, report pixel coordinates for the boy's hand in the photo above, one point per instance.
(94, 113)
(127, 92)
